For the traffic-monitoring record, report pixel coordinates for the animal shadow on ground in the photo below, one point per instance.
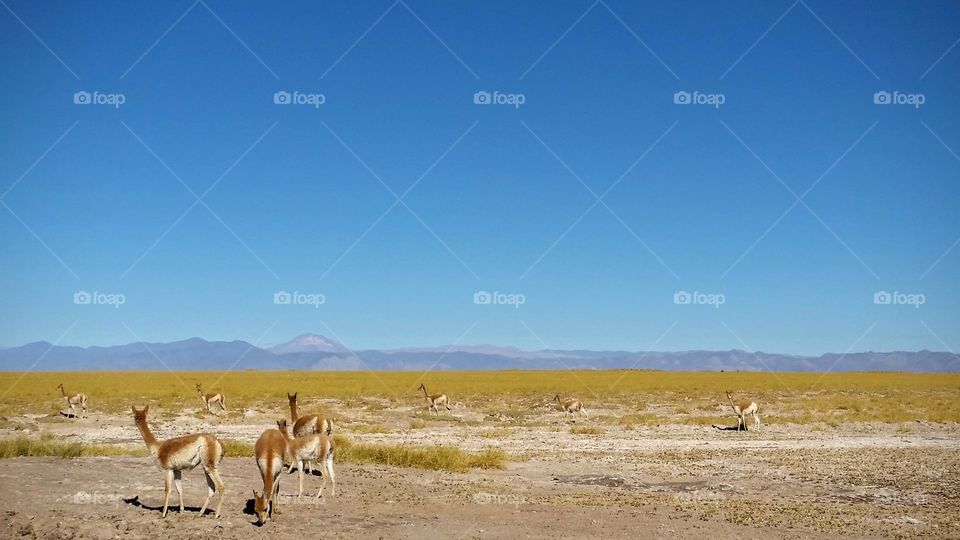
(135, 502)
(728, 428)
(313, 472)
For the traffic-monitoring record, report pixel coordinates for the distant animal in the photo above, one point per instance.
(744, 409)
(269, 452)
(74, 401)
(211, 399)
(435, 401)
(571, 406)
(179, 454)
(316, 447)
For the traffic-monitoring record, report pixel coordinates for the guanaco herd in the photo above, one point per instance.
(311, 443)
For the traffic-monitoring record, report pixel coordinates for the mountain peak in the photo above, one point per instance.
(308, 343)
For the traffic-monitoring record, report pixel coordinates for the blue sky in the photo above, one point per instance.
(501, 198)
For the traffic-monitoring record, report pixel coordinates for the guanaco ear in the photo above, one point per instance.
(134, 409)
(145, 409)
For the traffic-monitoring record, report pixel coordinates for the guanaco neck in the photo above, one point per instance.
(148, 437)
(64, 391)
(425, 394)
(293, 411)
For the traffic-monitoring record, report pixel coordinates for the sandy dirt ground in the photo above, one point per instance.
(669, 481)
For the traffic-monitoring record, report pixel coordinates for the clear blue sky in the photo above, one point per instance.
(498, 208)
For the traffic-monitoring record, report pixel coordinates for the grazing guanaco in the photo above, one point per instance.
(744, 409)
(210, 399)
(179, 454)
(269, 452)
(435, 401)
(74, 400)
(315, 447)
(571, 406)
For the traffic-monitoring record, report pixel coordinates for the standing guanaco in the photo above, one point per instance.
(179, 454)
(570, 406)
(435, 400)
(309, 424)
(210, 399)
(315, 447)
(744, 409)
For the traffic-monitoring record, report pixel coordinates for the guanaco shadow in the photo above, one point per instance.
(729, 428)
(313, 472)
(137, 503)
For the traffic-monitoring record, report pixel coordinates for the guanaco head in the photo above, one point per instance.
(556, 397)
(422, 387)
(140, 416)
(198, 388)
(260, 507)
(282, 425)
(292, 398)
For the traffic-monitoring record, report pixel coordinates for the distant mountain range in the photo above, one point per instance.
(315, 352)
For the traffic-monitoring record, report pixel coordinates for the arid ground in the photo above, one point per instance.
(615, 473)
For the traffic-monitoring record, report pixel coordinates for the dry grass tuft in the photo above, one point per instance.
(438, 458)
(46, 446)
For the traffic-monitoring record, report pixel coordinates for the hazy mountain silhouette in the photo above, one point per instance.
(316, 352)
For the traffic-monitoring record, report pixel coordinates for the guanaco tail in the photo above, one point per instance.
(744, 409)
(179, 454)
(316, 447)
(435, 400)
(79, 399)
(211, 399)
(269, 452)
(571, 406)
